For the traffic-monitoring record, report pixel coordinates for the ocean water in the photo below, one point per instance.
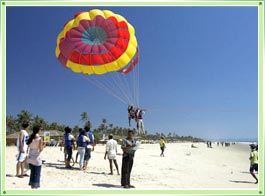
(248, 143)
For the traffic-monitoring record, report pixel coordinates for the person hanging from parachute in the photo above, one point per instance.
(136, 114)
(101, 43)
(131, 113)
(139, 120)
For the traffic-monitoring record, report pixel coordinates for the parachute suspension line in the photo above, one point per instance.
(134, 86)
(104, 86)
(135, 83)
(124, 80)
(126, 86)
(138, 81)
(117, 78)
(101, 86)
(103, 83)
(118, 84)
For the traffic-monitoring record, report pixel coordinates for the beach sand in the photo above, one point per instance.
(182, 167)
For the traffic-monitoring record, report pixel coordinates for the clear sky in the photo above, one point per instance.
(198, 70)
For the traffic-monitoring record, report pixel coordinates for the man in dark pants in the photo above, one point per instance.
(127, 159)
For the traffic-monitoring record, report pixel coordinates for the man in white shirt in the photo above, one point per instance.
(22, 149)
(111, 151)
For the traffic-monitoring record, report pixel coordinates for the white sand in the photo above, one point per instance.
(182, 167)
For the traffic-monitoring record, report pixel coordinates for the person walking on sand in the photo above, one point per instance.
(253, 161)
(22, 149)
(90, 146)
(68, 145)
(128, 145)
(111, 151)
(36, 146)
(162, 144)
(82, 143)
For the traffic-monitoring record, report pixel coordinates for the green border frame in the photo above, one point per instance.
(259, 4)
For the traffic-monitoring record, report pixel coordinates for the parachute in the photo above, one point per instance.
(102, 46)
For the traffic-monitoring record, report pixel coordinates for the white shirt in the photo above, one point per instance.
(34, 153)
(111, 147)
(24, 140)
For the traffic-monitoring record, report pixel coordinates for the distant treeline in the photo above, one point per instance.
(13, 124)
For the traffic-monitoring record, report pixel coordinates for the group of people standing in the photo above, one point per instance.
(85, 144)
(30, 148)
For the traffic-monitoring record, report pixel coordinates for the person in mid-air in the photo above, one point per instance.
(131, 113)
(139, 120)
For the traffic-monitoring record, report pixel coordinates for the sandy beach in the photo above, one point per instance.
(182, 167)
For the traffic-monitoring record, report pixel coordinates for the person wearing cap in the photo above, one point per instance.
(128, 149)
(111, 151)
(253, 161)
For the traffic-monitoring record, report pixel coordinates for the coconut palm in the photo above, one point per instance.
(37, 120)
(24, 116)
(53, 126)
(11, 124)
(84, 117)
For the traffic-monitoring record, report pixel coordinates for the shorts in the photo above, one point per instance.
(253, 167)
(69, 152)
(87, 154)
(112, 157)
(21, 157)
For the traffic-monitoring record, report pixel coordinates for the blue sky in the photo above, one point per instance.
(198, 70)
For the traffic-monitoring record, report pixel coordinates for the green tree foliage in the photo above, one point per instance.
(14, 124)
(11, 124)
(24, 115)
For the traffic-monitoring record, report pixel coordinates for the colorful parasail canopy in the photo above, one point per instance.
(97, 42)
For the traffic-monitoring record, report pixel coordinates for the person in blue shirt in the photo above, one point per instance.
(68, 145)
(82, 141)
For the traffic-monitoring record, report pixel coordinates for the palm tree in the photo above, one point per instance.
(11, 124)
(104, 121)
(103, 125)
(37, 120)
(53, 126)
(88, 124)
(24, 116)
(75, 131)
(84, 117)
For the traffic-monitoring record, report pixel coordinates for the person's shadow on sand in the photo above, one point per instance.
(107, 185)
(245, 182)
(69, 169)
(53, 164)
